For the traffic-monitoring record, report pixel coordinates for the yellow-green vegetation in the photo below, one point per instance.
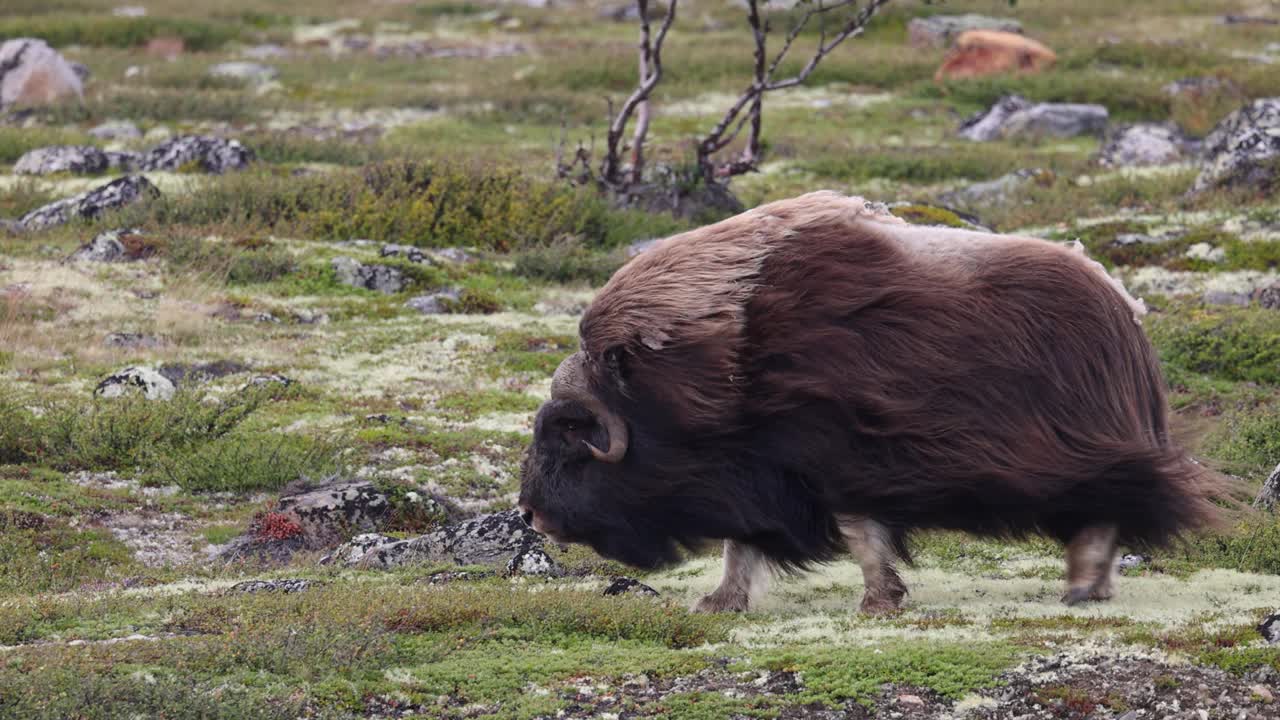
(437, 125)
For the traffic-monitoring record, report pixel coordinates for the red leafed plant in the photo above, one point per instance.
(277, 526)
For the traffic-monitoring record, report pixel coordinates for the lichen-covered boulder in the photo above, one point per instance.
(1243, 150)
(380, 278)
(117, 245)
(211, 154)
(116, 130)
(629, 586)
(496, 540)
(88, 205)
(434, 303)
(81, 159)
(148, 381)
(32, 73)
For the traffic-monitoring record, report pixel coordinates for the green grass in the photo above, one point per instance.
(118, 32)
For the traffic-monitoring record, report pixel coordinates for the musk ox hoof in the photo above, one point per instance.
(722, 602)
(1075, 596)
(879, 605)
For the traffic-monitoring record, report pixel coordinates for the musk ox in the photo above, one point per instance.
(817, 376)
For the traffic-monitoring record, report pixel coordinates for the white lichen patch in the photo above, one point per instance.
(813, 98)
(822, 605)
(1152, 279)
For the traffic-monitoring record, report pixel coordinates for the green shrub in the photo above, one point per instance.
(565, 261)
(247, 461)
(120, 32)
(1231, 343)
(1250, 441)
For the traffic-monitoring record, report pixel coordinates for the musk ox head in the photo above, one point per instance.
(580, 481)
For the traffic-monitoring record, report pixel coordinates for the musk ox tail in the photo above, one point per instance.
(1154, 495)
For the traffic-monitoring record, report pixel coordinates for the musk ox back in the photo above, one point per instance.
(817, 376)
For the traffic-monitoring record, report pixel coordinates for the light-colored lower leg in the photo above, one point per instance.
(744, 577)
(1090, 564)
(871, 544)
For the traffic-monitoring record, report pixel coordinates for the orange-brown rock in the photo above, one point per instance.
(977, 53)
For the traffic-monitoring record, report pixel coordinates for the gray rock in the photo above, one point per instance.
(339, 507)
(486, 540)
(1143, 144)
(213, 154)
(81, 159)
(1014, 115)
(941, 30)
(132, 11)
(290, 585)
(202, 372)
(104, 247)
(1269, 628)
(87, 205)
(1268, 297)
(456, 256)
(629, 586)
(148, 381)
(251, 72)
(380, 278)
(32, 73)
(434, 304)
(1243, 150)
(1269, 496)
(441, 256)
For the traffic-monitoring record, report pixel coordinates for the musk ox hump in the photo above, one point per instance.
(681, 305)
(965, 249)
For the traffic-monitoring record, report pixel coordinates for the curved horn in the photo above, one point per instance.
(570, 383)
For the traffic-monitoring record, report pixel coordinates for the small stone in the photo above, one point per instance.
(151, 383)
(435, 303)
(532, 561)
(408, 252)
(111, 246)
(264, 380)
(910, 700)
(131, 11)
(1263, 693)
(1129, 562)
(629, 586)
(274, 586)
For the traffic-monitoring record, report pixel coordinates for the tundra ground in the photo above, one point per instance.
(112, 511)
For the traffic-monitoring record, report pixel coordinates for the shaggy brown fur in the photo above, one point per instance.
(817, 358)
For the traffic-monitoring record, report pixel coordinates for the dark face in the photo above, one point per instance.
(570, 496)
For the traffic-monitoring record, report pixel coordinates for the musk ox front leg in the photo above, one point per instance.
(1091, 557)
(744, 569)
(872, 544)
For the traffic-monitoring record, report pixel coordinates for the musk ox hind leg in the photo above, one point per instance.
(872, 544)
(1090, 564)
(744, 574)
